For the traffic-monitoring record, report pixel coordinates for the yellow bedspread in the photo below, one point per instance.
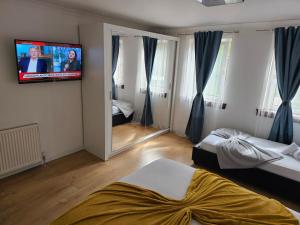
(210, 199)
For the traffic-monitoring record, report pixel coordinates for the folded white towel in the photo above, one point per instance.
(290, 149)
(296, 154)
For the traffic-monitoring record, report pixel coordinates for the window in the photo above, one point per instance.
(272, 100)
(215, 86)
(119, 73)
(214, 89)
(161, 68)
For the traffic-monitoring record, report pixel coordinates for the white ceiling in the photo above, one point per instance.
(187, 13)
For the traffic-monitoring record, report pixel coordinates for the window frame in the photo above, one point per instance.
(164, 88)
(269, 110)
(219, 100)
(187, 72)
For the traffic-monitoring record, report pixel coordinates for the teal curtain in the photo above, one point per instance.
(287, 58)
(207, 46)
(115, 55)
(149, 53)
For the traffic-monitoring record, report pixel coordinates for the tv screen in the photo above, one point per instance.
(39, 61)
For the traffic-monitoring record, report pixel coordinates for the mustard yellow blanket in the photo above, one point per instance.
(210, 199)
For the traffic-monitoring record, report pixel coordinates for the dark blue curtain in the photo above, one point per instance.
(115, 55)
(149, 53)
(207, 46)
(287, 58)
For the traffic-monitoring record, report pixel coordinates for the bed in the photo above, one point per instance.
(287, 167)
(171, 173)
(122, 112)
(167, 177)
(284, 173)
(118, 118)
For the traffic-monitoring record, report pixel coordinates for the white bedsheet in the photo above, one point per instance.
(287, 167)
(115, 110)
(168, 178)
(125, 107)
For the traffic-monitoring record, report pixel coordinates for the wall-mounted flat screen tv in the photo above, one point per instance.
(39, 61)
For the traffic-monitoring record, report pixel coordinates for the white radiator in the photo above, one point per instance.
(20, 149)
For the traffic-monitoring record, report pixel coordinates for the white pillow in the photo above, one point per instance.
(290, 149)
(296, 154)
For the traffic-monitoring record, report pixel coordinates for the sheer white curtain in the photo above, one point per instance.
(215, 88)
(119, 73)
(161, 68)
(186, 85)
(187, 70)
(271, 98)
(139, 97)
(160, 82)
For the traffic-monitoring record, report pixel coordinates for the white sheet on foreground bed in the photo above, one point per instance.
(287, 167)
(168, 178)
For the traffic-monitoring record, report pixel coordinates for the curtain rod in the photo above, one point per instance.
(225, 32)
(122, 35)
(261, 30)
(136, 36)
(273, 28)
(132, 36)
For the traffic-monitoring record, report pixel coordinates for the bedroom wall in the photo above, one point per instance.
(246, 76)
(56, 107)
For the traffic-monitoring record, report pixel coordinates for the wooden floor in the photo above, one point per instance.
(38, 196)
(129, 133)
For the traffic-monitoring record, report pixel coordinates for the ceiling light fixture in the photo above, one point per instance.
(219, 2)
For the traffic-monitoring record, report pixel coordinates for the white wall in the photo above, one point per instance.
(92, 38)
(246, 76)
(56, 107)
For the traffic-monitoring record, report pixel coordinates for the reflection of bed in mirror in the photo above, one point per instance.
(122, 112)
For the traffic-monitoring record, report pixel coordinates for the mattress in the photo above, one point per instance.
(168, 178)
(120, 118)
(287, 167)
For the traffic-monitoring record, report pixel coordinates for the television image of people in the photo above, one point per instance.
(46, 61)
(71, 64)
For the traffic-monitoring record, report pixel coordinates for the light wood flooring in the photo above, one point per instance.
(129, 133)
(39, 195)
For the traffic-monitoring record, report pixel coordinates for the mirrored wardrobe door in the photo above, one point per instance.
(142, 81)
(127, 128)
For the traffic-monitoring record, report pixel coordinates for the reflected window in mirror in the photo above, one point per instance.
(119, 74)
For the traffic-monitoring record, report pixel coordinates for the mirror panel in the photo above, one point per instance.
(131, 87)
